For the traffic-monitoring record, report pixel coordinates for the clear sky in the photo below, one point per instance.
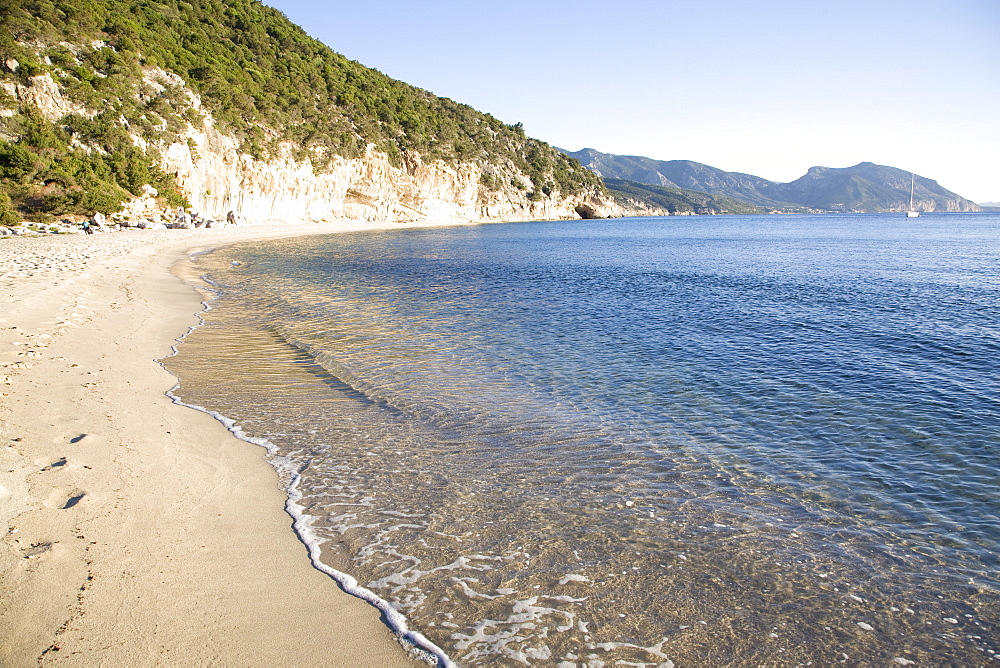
(765, 87)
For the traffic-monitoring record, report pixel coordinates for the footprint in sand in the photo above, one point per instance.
(35, 550)
(64, 498)
(56, 464)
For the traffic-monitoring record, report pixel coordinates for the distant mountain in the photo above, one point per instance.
(675, 201)
(863, 188)
(867, 187)
(676, 174)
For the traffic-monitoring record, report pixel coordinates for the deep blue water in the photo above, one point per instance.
(732, 439)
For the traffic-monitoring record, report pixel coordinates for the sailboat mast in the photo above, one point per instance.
(912, 213)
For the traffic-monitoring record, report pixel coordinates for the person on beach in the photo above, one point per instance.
(94, 221)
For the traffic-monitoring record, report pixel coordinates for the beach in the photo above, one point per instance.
(638, 443)
(137, 531)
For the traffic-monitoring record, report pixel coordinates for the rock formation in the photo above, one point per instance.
(218, 177)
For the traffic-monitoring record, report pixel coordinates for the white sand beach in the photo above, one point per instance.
(136, 531)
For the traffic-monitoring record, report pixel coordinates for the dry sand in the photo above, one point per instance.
(136, 531)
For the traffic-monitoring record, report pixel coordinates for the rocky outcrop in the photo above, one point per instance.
(44, 94)
(217, 177)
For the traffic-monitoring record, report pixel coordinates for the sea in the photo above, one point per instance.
(703, 440)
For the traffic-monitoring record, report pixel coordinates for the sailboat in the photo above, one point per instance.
(911, 212)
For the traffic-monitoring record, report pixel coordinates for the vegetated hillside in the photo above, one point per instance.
(863, 188)
(263, 81)
(677, 201)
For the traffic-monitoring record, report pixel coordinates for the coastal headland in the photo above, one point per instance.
(137, 531)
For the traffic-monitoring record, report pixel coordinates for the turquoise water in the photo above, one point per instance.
(706, 440)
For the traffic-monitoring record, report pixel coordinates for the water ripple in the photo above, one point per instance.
(729, 440)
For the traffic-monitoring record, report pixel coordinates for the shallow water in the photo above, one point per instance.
(711, 440)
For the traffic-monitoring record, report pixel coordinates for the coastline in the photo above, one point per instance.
(136, 530)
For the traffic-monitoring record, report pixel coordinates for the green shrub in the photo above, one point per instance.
(8, 217)
(29, 68)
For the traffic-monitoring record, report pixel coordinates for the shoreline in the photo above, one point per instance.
(136, 530)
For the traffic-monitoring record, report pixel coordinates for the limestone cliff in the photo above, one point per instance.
(217, 176)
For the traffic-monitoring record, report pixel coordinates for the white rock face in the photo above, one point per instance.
(218, 178)
(44, 93)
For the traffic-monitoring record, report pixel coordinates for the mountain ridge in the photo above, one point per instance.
(664, 200)
(862, 188)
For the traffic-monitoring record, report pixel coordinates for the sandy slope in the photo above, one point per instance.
(137, 532)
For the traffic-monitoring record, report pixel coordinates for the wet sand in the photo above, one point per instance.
(136, 531)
